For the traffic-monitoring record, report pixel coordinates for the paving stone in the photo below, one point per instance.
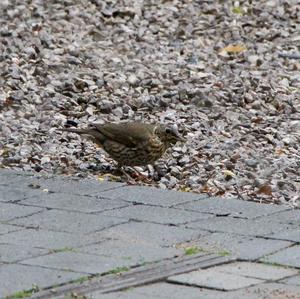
(250, 227)
(5, 229)
(290, 217)
(150, 233)
(126, 294)
(290, 235)
(265, 291)
(48, 239)
(294, 280)
(178, 291)
(71, 202)
(60, 184)
(24, 277)
(65, 221)
(231, 207)
(78, 262)
(244, 247)
(9, 211)
(211, 278)
(12, 253)
(157, 214)
(151, 196)
(256, 270)
(288, 256)
(160, 290)
(15, 194)
(9, 177)
(133, 251)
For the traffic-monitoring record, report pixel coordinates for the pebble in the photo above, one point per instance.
(251, 163)
(94, 62)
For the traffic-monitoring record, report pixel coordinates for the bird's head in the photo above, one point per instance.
(169, 134)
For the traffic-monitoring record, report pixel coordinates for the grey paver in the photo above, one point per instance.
(10, 211)
(127, 294)
(232, 207)
(6, 228)
(12, 194)
(291, 216)
(8, 177)
(151, 196)
(65, 221)
(14, 278)
(293, 280)
(161, 290)
(211, 278)
(134, 252)
(288, 256)
(48, 239)
(60, 184)
(251, 227)
(78, 262)
(266, 291)
(245, 247)
(289, 235)
(12, 253)
(157, 214)
(150, 233)
(71, 202)
(257, 270)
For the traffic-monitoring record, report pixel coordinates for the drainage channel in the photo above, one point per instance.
(136, 277)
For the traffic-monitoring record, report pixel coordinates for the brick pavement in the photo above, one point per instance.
(58, 232)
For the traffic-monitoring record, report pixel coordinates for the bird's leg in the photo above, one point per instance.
(130, 179)
(134, 177)
(140, 176)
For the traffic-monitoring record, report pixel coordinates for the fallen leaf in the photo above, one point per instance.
(232, 49)
(280, 151)
(265, 189)
(228, 173)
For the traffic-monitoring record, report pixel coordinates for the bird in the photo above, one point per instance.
(132, 143)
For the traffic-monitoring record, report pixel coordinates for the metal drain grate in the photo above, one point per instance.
(136, 277)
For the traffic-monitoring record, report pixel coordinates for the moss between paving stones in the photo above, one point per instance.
(35, 289)
(118, 270)
(24, 293)
(224, 253)
(192, 250)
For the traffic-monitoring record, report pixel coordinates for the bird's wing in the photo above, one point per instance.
(129, 134)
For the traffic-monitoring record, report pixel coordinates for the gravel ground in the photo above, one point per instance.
(226, 72)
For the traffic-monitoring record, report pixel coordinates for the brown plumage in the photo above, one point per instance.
(132, 143)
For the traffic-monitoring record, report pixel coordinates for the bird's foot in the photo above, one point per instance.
(134, 177)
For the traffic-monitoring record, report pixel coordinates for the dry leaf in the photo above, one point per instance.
(280, 151)
(265, 189)
(228, 173)
(232, 49)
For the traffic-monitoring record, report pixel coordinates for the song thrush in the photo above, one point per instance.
(132, 143)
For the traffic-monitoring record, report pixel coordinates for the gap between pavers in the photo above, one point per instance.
(232, 207)
(233, 276)
(288, 256)
(243, 247)
(65, 221)
(16, 277)
(152, 196)
(159, 290)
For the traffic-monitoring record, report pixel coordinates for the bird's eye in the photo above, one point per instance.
(168, 131)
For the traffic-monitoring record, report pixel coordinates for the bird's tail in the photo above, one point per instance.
(78, 131)
(94, 133)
